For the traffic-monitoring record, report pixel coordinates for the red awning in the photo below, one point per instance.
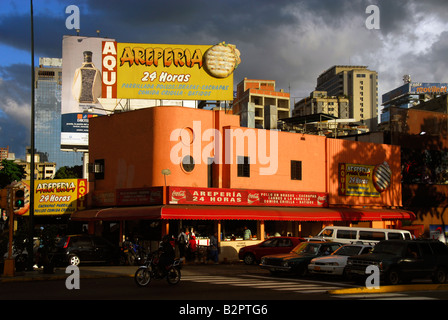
(191, 212)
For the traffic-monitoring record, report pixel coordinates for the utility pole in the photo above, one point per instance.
(31, 209)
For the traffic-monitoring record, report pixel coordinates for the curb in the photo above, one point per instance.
(384, 289)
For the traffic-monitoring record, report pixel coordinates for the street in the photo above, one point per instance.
(205, 292)
(246, 283)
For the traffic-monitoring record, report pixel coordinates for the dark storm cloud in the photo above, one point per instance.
(15, 89)
(291, 42)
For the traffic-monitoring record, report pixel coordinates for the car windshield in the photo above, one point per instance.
(347, 251)
(388, 247)
(307, 248)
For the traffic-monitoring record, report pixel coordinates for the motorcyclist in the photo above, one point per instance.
(166, 254)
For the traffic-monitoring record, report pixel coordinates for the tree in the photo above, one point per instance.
(9, 172)
(69, 173)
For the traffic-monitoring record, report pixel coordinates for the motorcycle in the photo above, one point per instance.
(150, 270)
(132, 254)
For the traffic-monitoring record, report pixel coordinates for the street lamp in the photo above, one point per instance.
(166, 172)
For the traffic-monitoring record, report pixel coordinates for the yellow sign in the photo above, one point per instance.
(61, 196)
(168, 72)
(363, 180)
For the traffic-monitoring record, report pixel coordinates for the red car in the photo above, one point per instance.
(251, 254)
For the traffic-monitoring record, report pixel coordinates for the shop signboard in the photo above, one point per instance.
(140, 196)
(59, 196)
(363, 180)
(244, 197)
(163, 71)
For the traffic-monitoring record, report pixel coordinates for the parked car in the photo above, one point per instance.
(403, 260)
(298, 259)
(76, 249)
(335, 263)
(252, 254)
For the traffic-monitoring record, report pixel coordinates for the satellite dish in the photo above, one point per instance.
(166, 172)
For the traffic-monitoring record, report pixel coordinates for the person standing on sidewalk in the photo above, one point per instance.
(214, 248)
(182, 241)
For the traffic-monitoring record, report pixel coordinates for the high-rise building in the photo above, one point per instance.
(48, 84)
(359, 85)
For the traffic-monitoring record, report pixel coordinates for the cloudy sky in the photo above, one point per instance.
(291, 42)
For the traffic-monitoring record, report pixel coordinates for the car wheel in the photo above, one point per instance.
(393, 277)
(440, 275)
(74, 260)
(249, 258)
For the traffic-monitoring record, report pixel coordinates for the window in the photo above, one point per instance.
(394, 236)
(243, 166)
(210, 162)
(188, 163)
(296, 170)
(372, 235)
(346, 234)
(98, 169)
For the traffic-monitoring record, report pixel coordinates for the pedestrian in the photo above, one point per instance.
(247, 233)
(182, 241)
(192, 249)
(213, 253)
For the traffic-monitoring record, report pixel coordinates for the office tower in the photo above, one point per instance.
(48, 84)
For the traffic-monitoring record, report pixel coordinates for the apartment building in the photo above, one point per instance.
(321, 102)
(359, 85)
(259, 105)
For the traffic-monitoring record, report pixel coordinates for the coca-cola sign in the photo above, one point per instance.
(245, 197)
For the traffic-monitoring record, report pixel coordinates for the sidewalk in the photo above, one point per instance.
(87, 272)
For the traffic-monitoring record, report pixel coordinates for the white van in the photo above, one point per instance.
(365, 235)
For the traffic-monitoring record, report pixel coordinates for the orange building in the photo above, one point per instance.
(177, 166)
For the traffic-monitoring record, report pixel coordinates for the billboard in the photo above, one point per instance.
(81, 89)
(161, 71)
(415, 88)
(363, 180)
(61, 196)
(96, 70)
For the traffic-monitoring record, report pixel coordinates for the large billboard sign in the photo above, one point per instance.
(101, 69)
(416, 88)
(56, 197)
(61, 196)
(160, 71)
(81, 89)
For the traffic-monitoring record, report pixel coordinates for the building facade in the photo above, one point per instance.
(173, 167)
(259, 105)
(321, 102)
(48, 85)
(359, 85)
